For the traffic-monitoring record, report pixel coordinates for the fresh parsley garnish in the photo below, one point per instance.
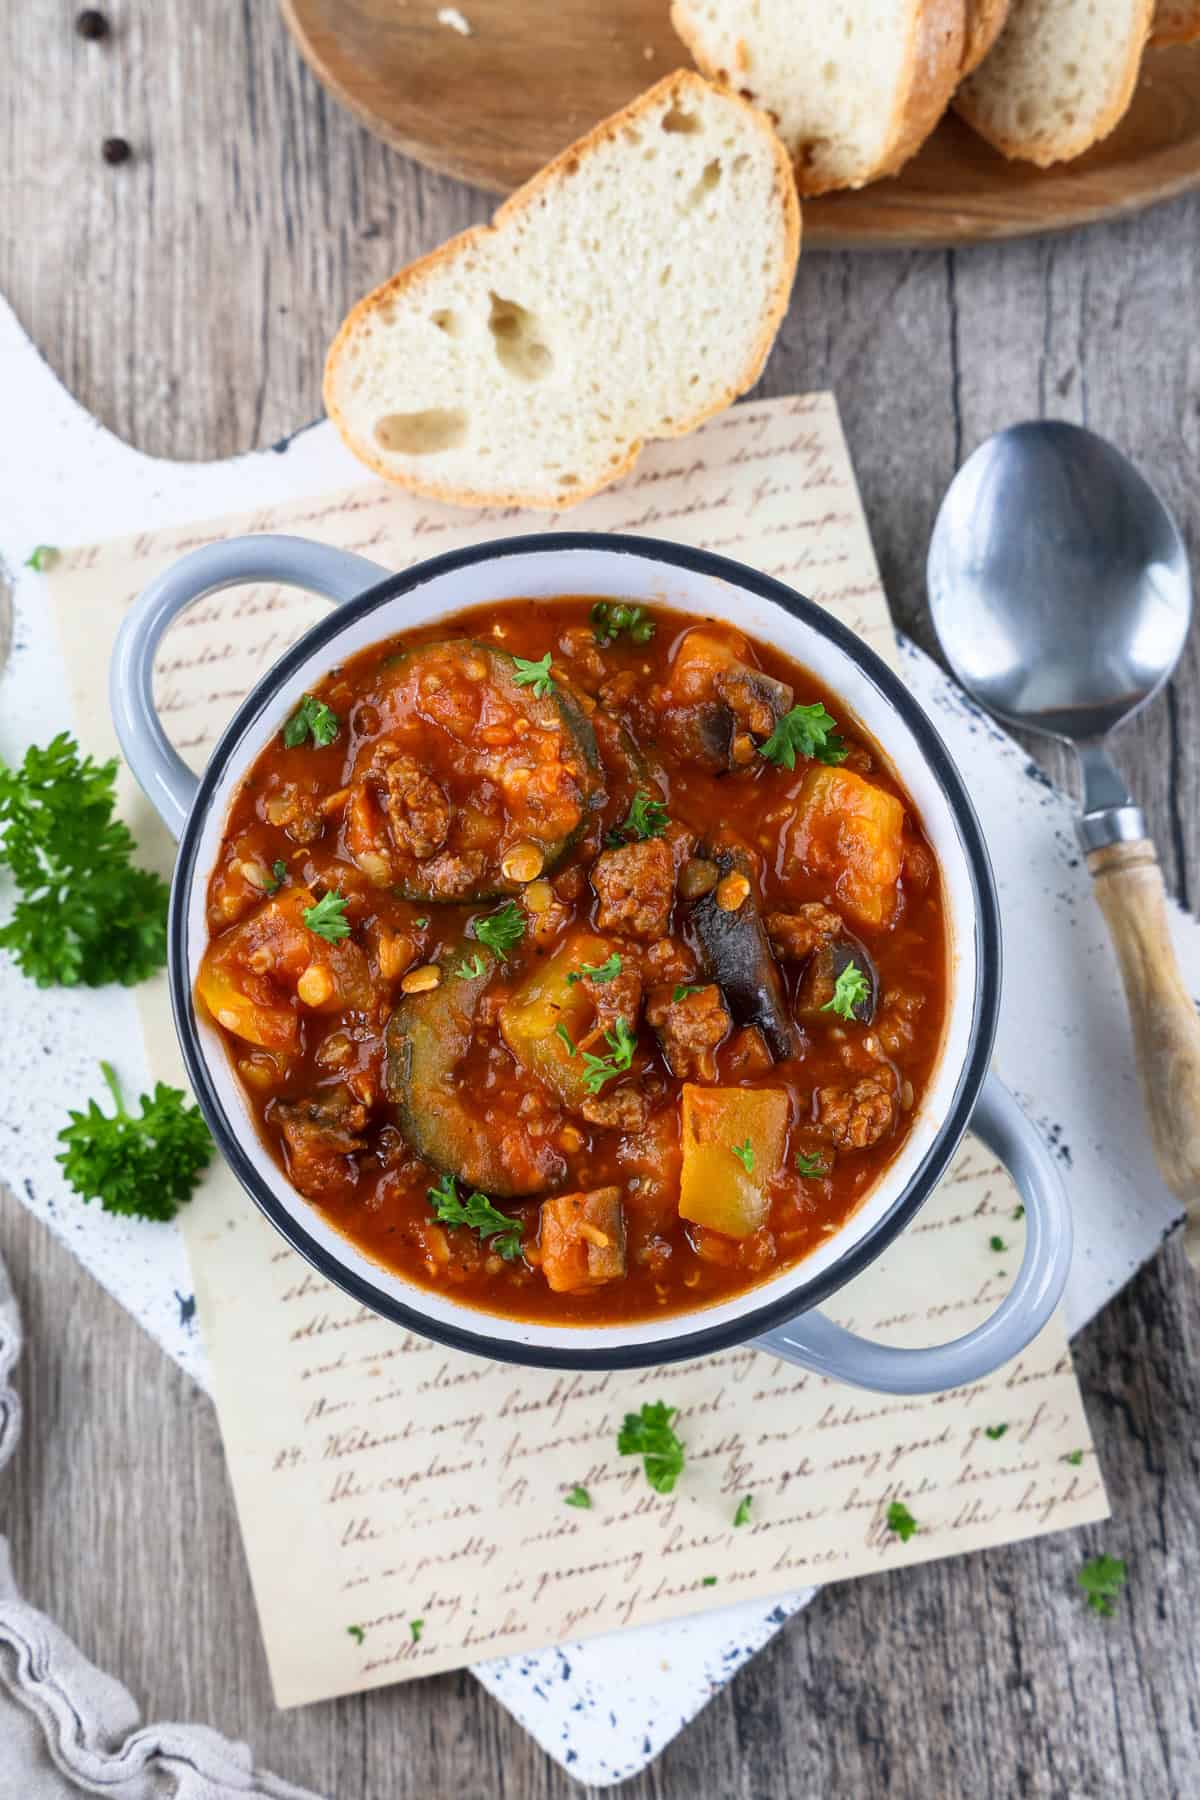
(472, 970)
(682, 992)
(610, 619)
(44, 557)
(502, 930)
(1018, 1212)
(85, 912)
(995, 1431)
(1074, 1457)
(561, 1031)
(278, 876)
(997, 1243)
(622, 1043)
(356, 1632)
(535, 675)
(420, 924)
(580, 1497)
(849, 990)
(312, 718)
(646, 818)
(416, 1627)
(745, 1155)
(648, 1434)
(478, 1213)
(327, 919)
(1102, 1580)
(901, 1521)
(605, 971)
(742, 1515)
(805, 731)
(143, 1165)
(812, 1167)
(708, 1581)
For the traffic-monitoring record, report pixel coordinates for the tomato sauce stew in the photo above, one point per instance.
(582, 961)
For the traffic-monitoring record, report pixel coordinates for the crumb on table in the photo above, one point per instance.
(450, 15)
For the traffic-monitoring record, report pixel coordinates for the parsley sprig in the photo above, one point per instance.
(599, 1069)
(41, 558)
(502, 930)
(145, 1164)
(1102, 1580)
(478, 1213)
(813, 1167)
(901, 1521)
(805, 731)
(85, 912)
(742, 1515)
(471, 970)
(278, 876)
(605, 971)
(646, 818)
(649, 1434)
(745, 1155)
(579, 1497)
(311, 719)
(611, 619)
(327, 919)
(849, 990)
(535, 675)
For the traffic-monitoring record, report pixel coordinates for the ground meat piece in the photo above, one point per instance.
(618, 690)
(449, 876)
(795, 935)
(635, 885)
(418, 810)
(855, 1118)
(620, 998)
(627, 1109)
(689, 1029)
(577, 645)
(321, 1137)
(298, 809)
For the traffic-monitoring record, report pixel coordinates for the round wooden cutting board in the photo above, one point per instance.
(533, 75)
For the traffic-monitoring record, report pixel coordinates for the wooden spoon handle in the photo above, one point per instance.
(1166, 1026)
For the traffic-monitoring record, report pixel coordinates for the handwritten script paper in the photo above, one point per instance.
(403, 1506)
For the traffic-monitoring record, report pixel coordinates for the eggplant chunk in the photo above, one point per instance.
(582, 1240)
(427, 1037)
(738, 957)
(820, 976)
(719, 703)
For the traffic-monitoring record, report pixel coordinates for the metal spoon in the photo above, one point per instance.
(1061, 597)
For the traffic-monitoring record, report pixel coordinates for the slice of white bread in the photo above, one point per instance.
(628, 291)
(1059, 77)
(985, 21)
(1176, 22)
(855, 86)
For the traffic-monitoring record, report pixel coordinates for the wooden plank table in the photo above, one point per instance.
(186, 296)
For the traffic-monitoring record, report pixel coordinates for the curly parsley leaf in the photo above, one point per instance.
(622, 1043)
(681, 993)
(501, 931)
(357, 1632)
(997, 1243)
(849, 990)
(535, 675)
(813, 1168)
(646, 818)
(143, 1165)
(473, 969)
(561, 1031)
(742, 1515)
(311, 719)
(478, 1214)
(1102, 1580)
(1074, 1457)
(708, 1581)
(805, 731)
(278, 876)
(327, 919)
(43, 557)
(745, 1155)
(901, 1521)
(605, 971)
(85, 913)
(579, 1497)
(995, 1431)
(611, 619)
(416, 1627)
(649, 1434)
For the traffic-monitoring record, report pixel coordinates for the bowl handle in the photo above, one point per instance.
(158, 768)
(816, 1343)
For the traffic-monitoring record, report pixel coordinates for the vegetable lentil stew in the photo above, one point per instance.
(580, 960)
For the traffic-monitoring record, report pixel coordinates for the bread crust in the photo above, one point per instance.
(985, 22)
(676, 87)
(1045, 151)
(1177, 23)
(933, 67)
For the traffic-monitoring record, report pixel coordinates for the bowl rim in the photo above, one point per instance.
(693, 1339)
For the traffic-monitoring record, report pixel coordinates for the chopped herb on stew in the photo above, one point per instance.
(502, 1233)
(605, 971)
(649, 1434)
(745, 1155)
(420, 924)
(356, 1632)
(1074, 1457)
(311, 719)
(682, 992)
(609, 620)
(1102, 1580)
(901, 1521)
(44, 557)
(997, 1243)
(580, 1497)
(278, 876)
(804, 731)
(502, 931)
(742, 1515)
(470, 969)
(144, 1164)
(646, 818)
(326, 918)
(849, 990)
(622, 1043)
(561, 1031)
(535, 675)
(416, 1627)
(995, 1431)
(811, 1166)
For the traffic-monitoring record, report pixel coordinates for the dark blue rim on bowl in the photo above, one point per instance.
(694, 1339)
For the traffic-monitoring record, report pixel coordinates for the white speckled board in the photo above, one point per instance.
(604, 1708)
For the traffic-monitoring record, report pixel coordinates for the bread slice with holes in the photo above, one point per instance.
(1059, 77)
(1175, 22)
(627, 292)
(985, 22)
(855, 86)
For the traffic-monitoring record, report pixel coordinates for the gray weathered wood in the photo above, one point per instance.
(186, 298)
